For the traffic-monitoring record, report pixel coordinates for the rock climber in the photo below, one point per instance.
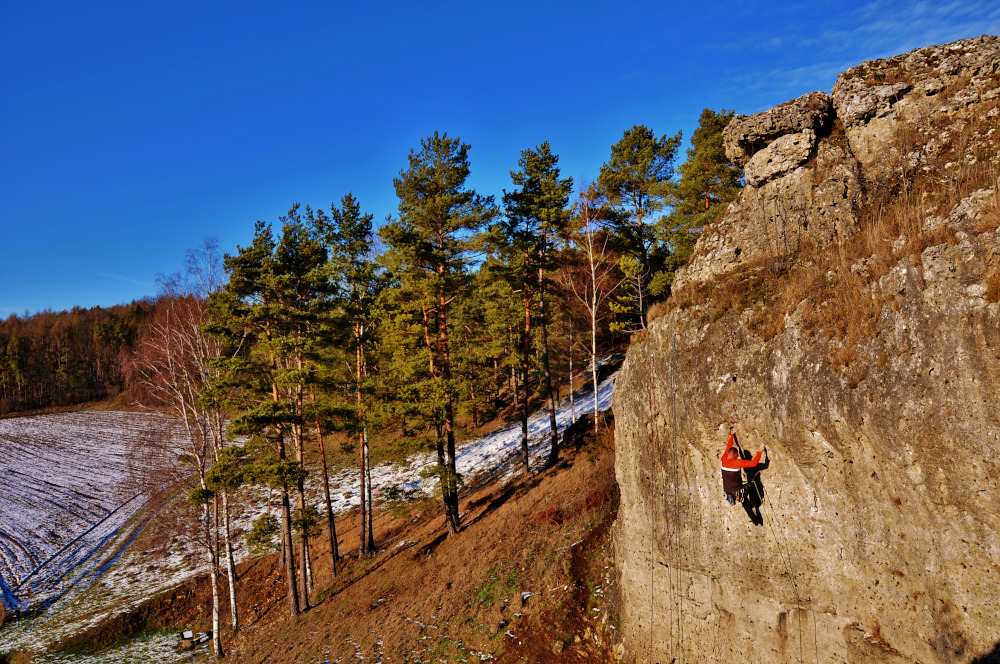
(753, 489)
(732, 475)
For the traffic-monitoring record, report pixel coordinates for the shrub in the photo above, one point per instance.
(307, 521)
(260, 537)
(596, 498)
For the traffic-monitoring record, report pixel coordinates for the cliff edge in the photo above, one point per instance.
(844, 312)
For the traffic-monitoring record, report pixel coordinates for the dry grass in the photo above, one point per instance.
(990, 217)
(885, 76)
(426, 596)
(992, 294)
(658, 310)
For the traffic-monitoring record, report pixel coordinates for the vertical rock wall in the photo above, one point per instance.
(882, 516)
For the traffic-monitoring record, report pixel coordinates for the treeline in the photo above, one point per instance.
(64, 358)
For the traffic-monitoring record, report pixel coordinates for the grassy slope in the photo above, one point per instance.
(430, 597)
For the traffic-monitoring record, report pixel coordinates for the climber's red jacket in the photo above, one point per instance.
(731, 476)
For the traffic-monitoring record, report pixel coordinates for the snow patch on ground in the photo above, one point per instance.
(79, 483)
(72, 491)
(161, 648)
(68, 484)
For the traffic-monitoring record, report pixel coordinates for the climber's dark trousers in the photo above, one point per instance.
(751, 504)
(753, 511)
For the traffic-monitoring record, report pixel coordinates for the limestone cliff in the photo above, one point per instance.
(845, 312)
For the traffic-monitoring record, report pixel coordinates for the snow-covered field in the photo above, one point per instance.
(72, 500)
(68, 485)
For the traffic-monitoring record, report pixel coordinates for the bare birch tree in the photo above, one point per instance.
(601, 277)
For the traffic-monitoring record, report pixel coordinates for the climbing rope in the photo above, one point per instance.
(652, 514)
(786, 557)
(788, 564)
(656, 499)
(655, 452)
(791, 573)
(677, 502)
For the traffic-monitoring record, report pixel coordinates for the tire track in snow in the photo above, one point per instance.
(68, 483)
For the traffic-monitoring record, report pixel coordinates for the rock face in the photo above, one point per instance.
(745, 135)
(872, 98)
(781, 156)
(881, 540)
(877, 112)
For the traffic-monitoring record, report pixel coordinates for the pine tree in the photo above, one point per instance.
(637, 181)
(276, 292)
(352, 267)
(536, 215)
(304, 292)
(430, 244)
(708, 183)
(499, 313)
(243, 318)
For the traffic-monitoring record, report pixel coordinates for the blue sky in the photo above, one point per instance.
(130, 131)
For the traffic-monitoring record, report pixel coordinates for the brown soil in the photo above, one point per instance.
(426, 596)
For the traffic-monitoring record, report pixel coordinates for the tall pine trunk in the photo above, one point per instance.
(434, 350)
(525, 354)
(298, 395)
(367, 540)
(363, 497)
(370, 524)
(288, 554)
(543, 325)
(303, 534)
(644, 276)
(288, 557)
(330, 521)
(285, 515)
(451, 507)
